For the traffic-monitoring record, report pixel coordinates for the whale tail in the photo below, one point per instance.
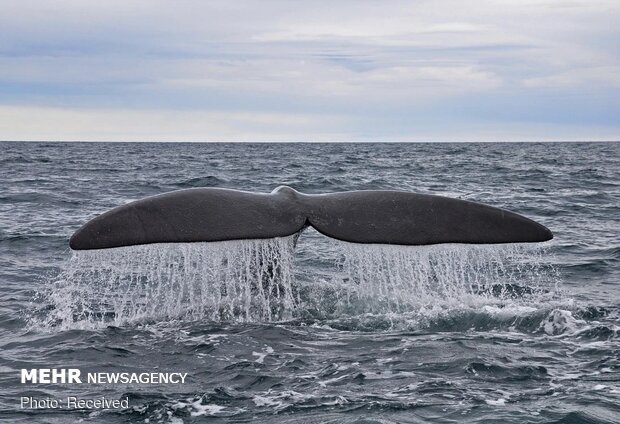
(383, 217)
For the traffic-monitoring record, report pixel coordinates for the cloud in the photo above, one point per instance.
(594, 76)
(412, 66)
(102, 124)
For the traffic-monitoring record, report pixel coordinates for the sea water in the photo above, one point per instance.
(324, 331)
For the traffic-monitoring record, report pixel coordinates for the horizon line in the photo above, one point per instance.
(311, 141)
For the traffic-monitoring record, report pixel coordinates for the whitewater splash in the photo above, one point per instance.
(256, 281)
(397, 279)
(246, 280)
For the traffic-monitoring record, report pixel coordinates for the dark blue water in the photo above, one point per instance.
(470, 334)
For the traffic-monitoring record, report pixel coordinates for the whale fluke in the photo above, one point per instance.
(385, 217)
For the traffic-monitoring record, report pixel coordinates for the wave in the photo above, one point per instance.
(208, 181)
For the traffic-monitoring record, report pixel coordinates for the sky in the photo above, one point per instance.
(339, 70)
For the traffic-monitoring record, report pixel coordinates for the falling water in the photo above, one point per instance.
(255, 281)
(422, 282)
(402, 279)
(245, 280)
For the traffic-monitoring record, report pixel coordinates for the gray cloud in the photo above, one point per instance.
(346, 70)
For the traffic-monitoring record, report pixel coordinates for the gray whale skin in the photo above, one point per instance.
(373, 216)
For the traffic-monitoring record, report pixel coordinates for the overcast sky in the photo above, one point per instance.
(339, 70)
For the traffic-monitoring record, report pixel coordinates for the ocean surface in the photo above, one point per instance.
(341, 333)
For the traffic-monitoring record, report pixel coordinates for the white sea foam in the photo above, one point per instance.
(200, 409)
(262, 355)
(560, 321)
(498, 402)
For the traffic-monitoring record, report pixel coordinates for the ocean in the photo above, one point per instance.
(348, 333)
